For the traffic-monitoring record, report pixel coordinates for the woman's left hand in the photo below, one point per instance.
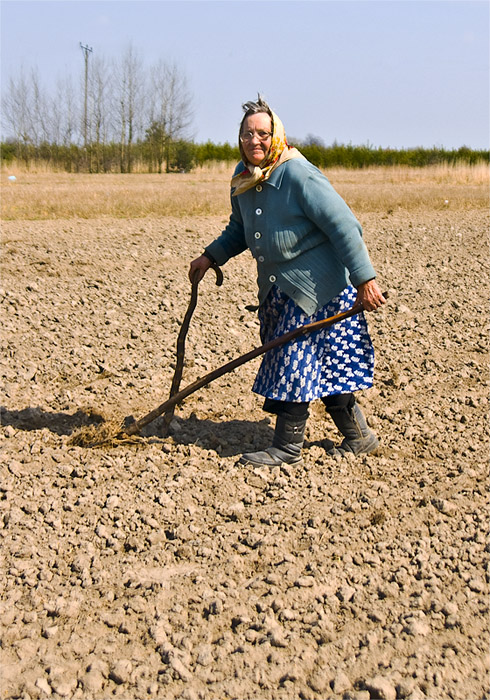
(370, 296)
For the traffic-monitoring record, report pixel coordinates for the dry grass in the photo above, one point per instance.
(66, 196)
(445, 174)
(107, 434)
(439, 187)
(42, 195)
(95, 435)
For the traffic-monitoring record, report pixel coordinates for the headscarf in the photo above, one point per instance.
(279, 152)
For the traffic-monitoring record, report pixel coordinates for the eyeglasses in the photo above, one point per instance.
(249, 135)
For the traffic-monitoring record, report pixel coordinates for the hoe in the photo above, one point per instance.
(177, 395)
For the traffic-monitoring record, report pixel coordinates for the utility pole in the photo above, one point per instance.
(86, 51)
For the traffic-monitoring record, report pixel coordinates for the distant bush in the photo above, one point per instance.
(183, 157)
(208, 151)
(7, 153)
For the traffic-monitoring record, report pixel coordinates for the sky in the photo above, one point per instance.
(389, 73)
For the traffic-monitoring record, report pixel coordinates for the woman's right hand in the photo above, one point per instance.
(200, 264)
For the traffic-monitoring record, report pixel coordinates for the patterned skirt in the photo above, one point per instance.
(334, 360)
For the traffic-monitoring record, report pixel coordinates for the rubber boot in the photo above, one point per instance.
(358, 438)
(286, 445)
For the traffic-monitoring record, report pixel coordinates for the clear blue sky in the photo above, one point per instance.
(396, 73)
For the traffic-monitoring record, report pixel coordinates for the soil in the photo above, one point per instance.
(159, 568)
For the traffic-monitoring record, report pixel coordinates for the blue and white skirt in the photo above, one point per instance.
(334, 360)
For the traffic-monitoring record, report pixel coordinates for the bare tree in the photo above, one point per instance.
(17, 115)
(171, 111)
(129, 91)
(64, 111)
(40, 110)
(36, 119)
(100, 93)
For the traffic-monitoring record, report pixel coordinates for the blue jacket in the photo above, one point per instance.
(302, 234)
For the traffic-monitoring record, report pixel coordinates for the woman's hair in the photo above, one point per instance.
(260, 106)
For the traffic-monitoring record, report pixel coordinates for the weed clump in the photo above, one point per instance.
(96, 435)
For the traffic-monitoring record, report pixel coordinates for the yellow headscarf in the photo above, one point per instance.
(279, 153)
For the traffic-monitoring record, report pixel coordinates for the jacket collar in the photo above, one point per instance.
(275, 179)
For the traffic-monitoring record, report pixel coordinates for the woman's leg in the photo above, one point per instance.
(350, 421)
(288, 435)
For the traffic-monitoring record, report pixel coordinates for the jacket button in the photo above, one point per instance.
(257, 235)
(272, 278)
(261, 258)
(259, 188)
(258, 211)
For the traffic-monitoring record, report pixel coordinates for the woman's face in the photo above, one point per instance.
(257, 147)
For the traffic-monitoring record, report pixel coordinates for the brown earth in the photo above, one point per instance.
(161, 569)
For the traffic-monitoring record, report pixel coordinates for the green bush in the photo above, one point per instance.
(183, 156)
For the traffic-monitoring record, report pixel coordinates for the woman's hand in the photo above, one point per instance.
(200, 264)
(370, 296)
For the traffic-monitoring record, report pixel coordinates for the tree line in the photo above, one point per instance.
(120, 116)
(183, 156)
(116, 113)
(349, 156)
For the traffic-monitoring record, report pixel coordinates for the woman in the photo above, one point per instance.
(310, 256)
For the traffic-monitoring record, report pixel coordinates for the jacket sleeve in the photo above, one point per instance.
(326, 208)
(231, 242)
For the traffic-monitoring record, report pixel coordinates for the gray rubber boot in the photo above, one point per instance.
(286, 445)
(358, 438)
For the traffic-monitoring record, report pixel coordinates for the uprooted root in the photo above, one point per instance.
(110, 433)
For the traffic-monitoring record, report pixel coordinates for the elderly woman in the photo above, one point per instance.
(312, 263)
